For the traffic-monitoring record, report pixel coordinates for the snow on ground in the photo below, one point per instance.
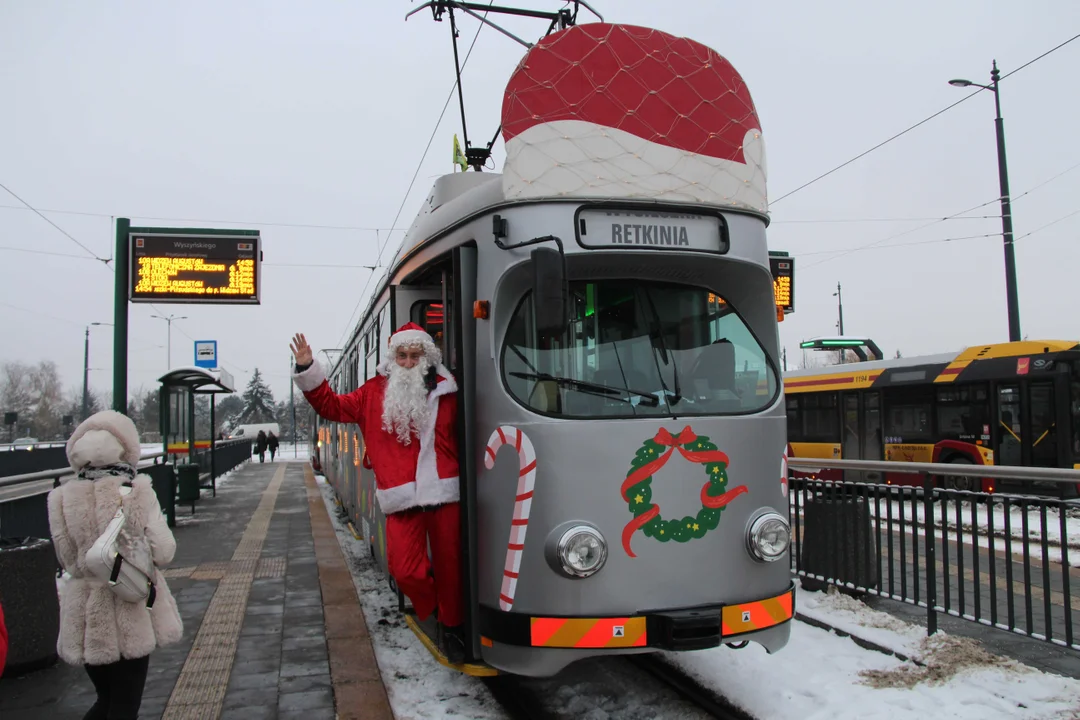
(818, 675)
(822, 675)
(417, 686)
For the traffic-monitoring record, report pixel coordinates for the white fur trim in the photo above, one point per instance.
(410, 337)
(439, 491)
(430, 490)
(311, 378)
(114, 423)
(396, 499)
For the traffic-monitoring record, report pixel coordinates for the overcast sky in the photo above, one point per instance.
(270, 114)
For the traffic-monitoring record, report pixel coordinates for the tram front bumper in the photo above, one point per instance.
(695, 628)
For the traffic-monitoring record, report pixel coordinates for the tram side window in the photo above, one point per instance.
(963, 413)
(821, 417)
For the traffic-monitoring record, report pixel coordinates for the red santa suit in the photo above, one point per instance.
(416, 483)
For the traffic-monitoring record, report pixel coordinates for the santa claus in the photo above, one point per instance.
(407, 414)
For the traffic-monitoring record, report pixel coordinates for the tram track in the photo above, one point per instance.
(633, 687)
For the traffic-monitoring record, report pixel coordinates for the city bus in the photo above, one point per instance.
(1014, 403)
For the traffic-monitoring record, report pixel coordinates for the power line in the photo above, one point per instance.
(68, 235)
(434, 132)
(846, 251)
(880, 220)
(1055, 222)
(316, 226)
(921, 122)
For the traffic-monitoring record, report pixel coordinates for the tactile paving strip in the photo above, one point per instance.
(200, 690)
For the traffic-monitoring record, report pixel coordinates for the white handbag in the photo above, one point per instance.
(105, 562)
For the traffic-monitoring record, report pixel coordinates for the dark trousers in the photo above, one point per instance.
(119, 688)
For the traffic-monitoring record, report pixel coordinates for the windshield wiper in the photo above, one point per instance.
(656, 333)
(647, 398)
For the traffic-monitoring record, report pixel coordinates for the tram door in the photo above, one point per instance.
(861, 440)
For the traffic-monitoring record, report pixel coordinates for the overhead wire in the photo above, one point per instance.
(920, 123)
(419, 166)
(955, 216)
(66, 234)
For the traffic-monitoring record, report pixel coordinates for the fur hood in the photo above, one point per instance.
(97, 627)
(104, 438)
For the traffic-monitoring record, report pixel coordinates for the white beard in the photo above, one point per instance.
(405, 405)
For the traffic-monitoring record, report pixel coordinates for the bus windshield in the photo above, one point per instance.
(639, 348)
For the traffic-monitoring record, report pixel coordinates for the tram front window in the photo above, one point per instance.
(639, 348)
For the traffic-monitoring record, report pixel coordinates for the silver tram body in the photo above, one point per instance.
(660, 330)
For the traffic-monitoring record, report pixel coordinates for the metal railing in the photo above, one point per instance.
(999, 559)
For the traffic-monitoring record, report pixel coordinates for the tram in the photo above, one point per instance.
(607, 307)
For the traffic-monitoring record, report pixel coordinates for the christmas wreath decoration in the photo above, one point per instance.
(637, 488)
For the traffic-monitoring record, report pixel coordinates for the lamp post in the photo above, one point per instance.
(168, 365)
(86, 372)
(1006, 209)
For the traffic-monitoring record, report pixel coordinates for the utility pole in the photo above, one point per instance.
(86, 376)
(169, 320)
(1011, 297)
(840, 307)
(292, 405)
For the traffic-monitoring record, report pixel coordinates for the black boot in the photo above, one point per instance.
(452, 643)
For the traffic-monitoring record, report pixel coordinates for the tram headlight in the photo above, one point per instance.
(769, 537)
(582, 551)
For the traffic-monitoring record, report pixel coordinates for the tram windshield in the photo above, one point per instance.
(639, 348)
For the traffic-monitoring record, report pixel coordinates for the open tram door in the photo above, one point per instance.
(443, 305)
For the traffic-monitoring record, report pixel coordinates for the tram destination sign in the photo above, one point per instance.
(618, 229)
(216, 267)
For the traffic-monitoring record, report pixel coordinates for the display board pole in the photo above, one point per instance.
(120, 316)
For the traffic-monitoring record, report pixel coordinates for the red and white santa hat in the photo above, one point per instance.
(412, 335)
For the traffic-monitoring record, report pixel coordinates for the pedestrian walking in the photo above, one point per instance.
(110, 636)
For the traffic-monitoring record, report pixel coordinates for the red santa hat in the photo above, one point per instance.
(411, 335)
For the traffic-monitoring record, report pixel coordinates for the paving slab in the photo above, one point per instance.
(251, 573)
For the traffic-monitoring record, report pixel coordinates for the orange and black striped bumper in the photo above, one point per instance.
(689, 629)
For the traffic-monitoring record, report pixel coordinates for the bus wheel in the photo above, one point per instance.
(959, 482)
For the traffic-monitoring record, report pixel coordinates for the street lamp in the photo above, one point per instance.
(1006, 210)
(86, 372)
(168, 365)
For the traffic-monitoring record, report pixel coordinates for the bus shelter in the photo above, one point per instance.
(178, 390)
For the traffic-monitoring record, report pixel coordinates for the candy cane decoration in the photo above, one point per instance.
(784, 474)
(508, 435)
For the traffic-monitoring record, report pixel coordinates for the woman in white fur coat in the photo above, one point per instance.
(111, 637)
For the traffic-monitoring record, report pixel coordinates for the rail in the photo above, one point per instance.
(997, 472)
(998, 559)
(59, 473)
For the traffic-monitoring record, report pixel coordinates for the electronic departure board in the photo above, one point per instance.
(193, 268)
(783, 272)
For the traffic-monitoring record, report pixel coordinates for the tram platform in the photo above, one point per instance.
(272, 626)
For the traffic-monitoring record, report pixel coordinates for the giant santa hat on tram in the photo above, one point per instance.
(602, 110)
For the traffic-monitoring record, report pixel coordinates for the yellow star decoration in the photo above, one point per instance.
(661, 532)
(639, 499)
(699, 445)
(651, 451)
(715, 470)
(695, 526)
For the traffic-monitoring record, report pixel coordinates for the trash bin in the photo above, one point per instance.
(31, 605)
(188, 479)
(838, 541)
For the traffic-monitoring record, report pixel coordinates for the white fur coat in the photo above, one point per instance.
(97, 627)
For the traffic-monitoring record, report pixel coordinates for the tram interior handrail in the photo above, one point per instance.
(1029, 474)
(63, 472)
